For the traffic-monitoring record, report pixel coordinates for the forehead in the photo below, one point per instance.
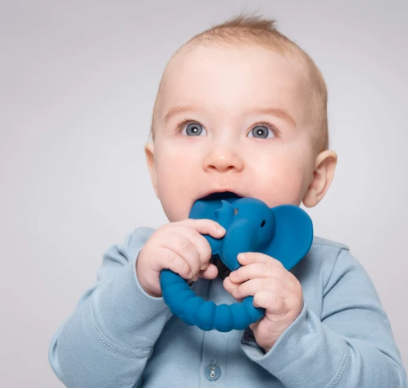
(233, 78)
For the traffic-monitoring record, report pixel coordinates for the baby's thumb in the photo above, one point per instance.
(210, 273)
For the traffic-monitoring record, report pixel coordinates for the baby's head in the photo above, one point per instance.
(240, 108)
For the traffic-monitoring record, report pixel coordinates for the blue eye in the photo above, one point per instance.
(260, 130)
(193, 129)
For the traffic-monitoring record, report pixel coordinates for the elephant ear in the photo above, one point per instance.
(293, 235)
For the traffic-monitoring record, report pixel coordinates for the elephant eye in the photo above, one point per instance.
(235, 211)
(263, 223)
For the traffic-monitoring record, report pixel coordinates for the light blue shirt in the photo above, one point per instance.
(120, 336)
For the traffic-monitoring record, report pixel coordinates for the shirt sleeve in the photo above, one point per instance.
(350, 345)
(109, 337)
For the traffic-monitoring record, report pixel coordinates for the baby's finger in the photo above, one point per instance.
(205, 226)
(181, 244)
(252, 257)
(230, 287)
(211, 272)
(259, 270)
(177, 264)
(251, 287)
(200, 259)
(194, 232)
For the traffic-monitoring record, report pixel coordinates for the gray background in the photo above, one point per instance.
(77, 85)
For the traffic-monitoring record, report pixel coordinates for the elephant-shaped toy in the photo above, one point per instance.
(284, 232)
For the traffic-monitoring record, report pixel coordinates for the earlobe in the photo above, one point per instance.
(323, 174)
(149, 152)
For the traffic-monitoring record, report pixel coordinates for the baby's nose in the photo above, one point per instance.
(223, 160)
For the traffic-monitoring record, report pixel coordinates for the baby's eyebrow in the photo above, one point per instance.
(278, 112)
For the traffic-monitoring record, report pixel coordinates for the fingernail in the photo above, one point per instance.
(220, 230)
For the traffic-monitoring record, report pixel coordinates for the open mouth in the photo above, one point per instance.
(221, 196)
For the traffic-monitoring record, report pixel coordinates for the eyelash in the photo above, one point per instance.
(266, 124)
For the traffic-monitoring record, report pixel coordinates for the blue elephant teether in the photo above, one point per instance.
(284, 232)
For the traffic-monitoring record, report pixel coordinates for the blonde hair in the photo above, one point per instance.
(257, 30)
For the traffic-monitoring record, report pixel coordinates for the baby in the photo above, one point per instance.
(241, 109)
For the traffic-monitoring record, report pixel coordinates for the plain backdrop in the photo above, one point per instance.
(78, 81)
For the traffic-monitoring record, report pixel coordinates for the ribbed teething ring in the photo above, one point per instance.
(195, 311)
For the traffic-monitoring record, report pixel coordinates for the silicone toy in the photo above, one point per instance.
(284, 232)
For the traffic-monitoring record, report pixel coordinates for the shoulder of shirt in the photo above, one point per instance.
(141, 233)
(323, 256)
(322, 242)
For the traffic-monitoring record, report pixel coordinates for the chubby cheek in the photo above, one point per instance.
(280, 181)
(176, 185)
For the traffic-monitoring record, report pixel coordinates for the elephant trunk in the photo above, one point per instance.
(241, 237)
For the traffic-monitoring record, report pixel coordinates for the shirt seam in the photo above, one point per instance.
(340, 371)
(143, 353)
(331, 246)
(332, 270)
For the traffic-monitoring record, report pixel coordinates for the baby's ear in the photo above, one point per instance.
(323, 174)
(149, 152)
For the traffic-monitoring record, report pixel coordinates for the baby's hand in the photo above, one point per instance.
(180, 247)
(273, 287)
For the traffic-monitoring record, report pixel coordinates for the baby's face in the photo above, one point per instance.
(226, 144)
